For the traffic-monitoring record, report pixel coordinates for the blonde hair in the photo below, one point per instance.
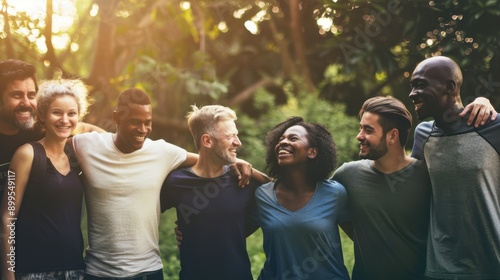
(204, 120)
(51, 89)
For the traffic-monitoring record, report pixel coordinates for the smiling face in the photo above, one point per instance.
(133, 126)
(61, 117)
(293, 147)
(226, 142)
(435, 85)
(371, 137)
(19, 104)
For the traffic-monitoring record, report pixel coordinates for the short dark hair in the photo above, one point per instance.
(14, 69)
(393, 114)
(133, 96)
(130, 96)
(318, 168)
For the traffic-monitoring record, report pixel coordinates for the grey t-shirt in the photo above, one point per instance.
(464, 167)
(390, 215)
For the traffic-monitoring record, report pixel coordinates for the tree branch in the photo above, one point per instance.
(249, 91)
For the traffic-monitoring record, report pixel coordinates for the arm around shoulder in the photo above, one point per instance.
(480, 111)
(191, 159)
(260, 177)
(87, 127)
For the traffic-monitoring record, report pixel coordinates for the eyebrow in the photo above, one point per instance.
(366, 126)
(417, 80)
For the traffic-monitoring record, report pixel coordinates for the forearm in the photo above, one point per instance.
(82, 127)
(260, 177)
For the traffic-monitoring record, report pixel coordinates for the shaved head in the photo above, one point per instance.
(442, 69)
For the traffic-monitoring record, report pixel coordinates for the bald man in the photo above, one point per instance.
(464, 166)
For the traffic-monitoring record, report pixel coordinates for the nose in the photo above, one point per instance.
(25, 101)
(237, 141)
(413, 93)
(64, 118)
(142, 128)
(284, 141)
(360, 136)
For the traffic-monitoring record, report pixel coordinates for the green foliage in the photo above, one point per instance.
(168, 245)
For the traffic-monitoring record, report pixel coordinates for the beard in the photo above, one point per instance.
(223, 154)
(10, 117)
(376, 152)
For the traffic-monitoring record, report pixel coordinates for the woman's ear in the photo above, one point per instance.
(312, 153)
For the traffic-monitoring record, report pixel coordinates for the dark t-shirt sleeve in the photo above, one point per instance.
(167, 192)
(422, 133)
(491, 133)
(251, 222)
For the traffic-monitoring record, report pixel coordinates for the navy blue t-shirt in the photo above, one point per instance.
(211, 215)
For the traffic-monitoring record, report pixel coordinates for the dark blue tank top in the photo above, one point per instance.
(48, 234)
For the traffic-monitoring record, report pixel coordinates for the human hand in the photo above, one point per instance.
(480, 109)
(243, 170)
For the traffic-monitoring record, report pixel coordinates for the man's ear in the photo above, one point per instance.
(393, 136)
(206, 141)
(116, 118)
(451, 86)
(312, 153)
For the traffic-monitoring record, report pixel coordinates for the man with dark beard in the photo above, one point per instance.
(18, 89)
(388, 194)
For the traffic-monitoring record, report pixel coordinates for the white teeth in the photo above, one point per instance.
(282, 152)
(139, 138)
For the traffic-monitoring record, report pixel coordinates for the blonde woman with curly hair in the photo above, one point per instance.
(43, 198)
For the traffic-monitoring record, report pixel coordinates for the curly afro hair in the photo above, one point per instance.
(318, 168)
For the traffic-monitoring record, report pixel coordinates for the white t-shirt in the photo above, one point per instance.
(122, 197)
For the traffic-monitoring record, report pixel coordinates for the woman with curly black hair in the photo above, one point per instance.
(300, 211)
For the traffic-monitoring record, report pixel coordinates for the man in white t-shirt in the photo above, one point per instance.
(123, 175)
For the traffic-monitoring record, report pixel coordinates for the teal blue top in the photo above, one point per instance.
(302, 244)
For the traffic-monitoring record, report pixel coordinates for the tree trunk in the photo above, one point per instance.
(104, 58)
(298, 43)
(103, 66)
